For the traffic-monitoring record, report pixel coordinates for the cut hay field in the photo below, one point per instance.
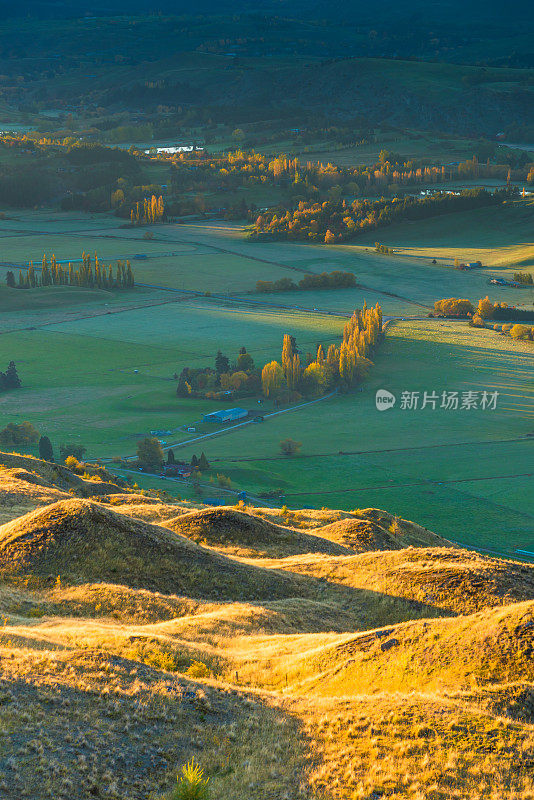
(500, 237)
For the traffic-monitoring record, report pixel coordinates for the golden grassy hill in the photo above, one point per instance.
(446, 580)
(492, 646)
(372, 529)
(145, 507)
(27, 483)
(22, 491)
(80, 540)
(313, 655)
(248, 535)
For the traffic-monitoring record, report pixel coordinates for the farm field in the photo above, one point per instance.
(84, 370)
(80, 382)
(416, 357)
(214, 256)
(108, 407)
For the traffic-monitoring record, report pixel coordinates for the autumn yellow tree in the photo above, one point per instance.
(294, 372)
(287, 353)
(272, 378)
(329, 237)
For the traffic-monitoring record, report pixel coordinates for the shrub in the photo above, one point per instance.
(191, 783)
(454, 307)
(198, 670)
(519, 332)
(21, 433)
(290, 447)
(523, 277)
(72, 463)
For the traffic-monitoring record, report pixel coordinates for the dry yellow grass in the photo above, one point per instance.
(243, 534)
(416, 747)
(448, 580)
(302, 656)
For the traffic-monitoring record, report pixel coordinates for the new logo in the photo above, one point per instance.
(384, 400)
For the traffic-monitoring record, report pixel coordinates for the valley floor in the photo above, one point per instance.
(104, 364)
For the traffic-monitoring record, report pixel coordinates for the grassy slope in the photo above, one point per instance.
(337, 706)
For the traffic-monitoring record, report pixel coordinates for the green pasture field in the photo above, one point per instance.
(410, 476)
(503, 245)
(215, 257)
(79, 379)
(58, 297)
(80, 384)
(178, 256)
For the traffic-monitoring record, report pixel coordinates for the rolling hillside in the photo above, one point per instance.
(314, 661)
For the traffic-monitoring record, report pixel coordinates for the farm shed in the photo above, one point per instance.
(227, 415)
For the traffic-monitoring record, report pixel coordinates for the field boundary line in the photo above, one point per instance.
(427, 482)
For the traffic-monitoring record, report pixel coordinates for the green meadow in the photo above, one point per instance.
(109, 379)
(97, 367)
(438, 466)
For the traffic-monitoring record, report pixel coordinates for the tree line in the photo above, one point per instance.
(337, 221)
(92, 273)
(239, 378)
(342, 366)
(148, 212)
(524, 277)
(202, 170)
(24, 434)
(326, 280)
(297, 374)
(486, 309)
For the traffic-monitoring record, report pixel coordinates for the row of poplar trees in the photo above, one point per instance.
(340, 366)
(150, 211)
(91, 273)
